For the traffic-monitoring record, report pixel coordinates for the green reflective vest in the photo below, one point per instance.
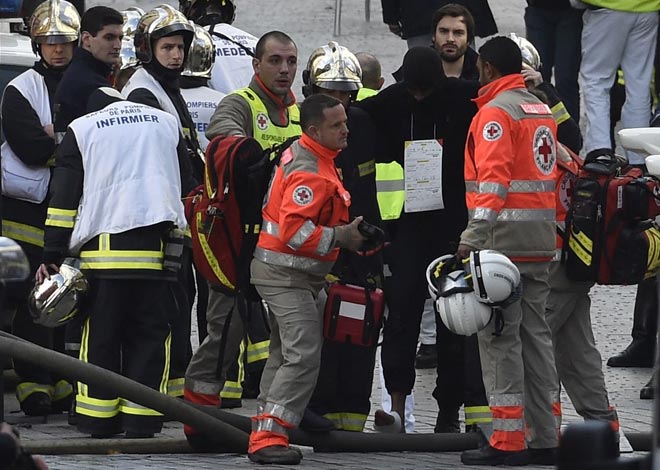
(636, 6)
(390, 188)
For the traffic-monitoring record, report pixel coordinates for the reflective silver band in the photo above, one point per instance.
(281, 412)
(507, 399)
(300, 237)
(271, 228)
(327, 241)
(301, 263)
(513, 215)
(269, 424)
(500, 424)
(516, 186)
(390, 186)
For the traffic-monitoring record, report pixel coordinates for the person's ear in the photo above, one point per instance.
(255, 65)
(381, 81)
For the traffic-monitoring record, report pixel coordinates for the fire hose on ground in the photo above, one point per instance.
(227, 431)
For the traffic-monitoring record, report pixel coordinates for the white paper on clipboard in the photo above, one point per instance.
(423, 175)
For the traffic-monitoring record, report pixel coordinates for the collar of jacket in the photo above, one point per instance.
(470, 70)
(494, 88)
(268, 96)
(83, 55)
(44, 70)
(317, 149)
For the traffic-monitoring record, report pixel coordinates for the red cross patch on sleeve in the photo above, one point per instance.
(492, 131)
(303, 195)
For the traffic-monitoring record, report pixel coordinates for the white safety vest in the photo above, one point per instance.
(233, 65)
(19, 181)
(131, 171)
(143, 79)
(201, 102)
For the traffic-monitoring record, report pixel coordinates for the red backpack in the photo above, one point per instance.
(225, 212)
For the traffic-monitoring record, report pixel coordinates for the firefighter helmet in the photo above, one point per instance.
(197, 10)
(530, 56)
(55, 22)
(450, 286)
(201, 55)
(494, 277)
(332, 67)
(56, 301)
(157, 23)
(131, 20)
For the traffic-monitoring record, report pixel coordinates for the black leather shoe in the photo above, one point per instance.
(230, 403)
(427, 357)
(447, 421)
(646, 393)
(490, 456)
(276, 455)
(72, 417)
(313, 422)
(637, 354)
(37, 404)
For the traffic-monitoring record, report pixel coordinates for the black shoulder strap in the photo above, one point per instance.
(227, 38)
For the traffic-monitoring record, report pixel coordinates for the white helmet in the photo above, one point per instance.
(530, 55)
(451, 288)
(494, 276)
(462, 313)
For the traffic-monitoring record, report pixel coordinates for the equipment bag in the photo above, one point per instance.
(637, 253)
(224, 213)
(353, 314)
(602, 208)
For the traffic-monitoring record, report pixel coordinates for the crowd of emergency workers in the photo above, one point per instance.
(105, 140)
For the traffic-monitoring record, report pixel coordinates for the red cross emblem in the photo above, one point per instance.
(303, 195)
(262, 121)
(492, 131)
(544, 150)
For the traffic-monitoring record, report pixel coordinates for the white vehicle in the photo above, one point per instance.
(16, 54)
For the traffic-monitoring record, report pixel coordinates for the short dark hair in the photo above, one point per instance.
(279, 36)
(371, 70)
(312, 109)
(455, 11)
(503, 54)
(96, 18)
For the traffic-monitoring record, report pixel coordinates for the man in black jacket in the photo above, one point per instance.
(430, 108)
(92, 64)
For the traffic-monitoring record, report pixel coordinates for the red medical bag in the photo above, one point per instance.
(353, 314)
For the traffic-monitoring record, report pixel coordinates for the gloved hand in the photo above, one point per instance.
(375, 238)
(349, 236)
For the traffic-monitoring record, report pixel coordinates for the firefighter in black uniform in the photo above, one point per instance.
(27, 125)
(345, 380)
(124, 218)
(162, 43)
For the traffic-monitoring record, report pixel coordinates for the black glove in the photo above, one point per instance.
(375, 238)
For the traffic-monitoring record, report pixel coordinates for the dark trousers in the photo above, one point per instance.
(459, 378)
(182, 296)
(415, 244)
(557, 34)
(126, 332)
(343, 389)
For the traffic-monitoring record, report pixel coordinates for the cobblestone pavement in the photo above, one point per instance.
(310, 23)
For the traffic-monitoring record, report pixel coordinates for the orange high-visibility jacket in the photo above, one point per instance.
(305, 201)
(510, 172)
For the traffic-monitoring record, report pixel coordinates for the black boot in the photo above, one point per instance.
(447, 421)
(427, 357)
(276, 455)
(646, 393)
(490, 456)
(641, 351)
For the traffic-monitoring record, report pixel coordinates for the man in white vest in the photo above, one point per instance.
(116, 204)
(27, 122)
(162, 43)
(234, 48)
(200, 99)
